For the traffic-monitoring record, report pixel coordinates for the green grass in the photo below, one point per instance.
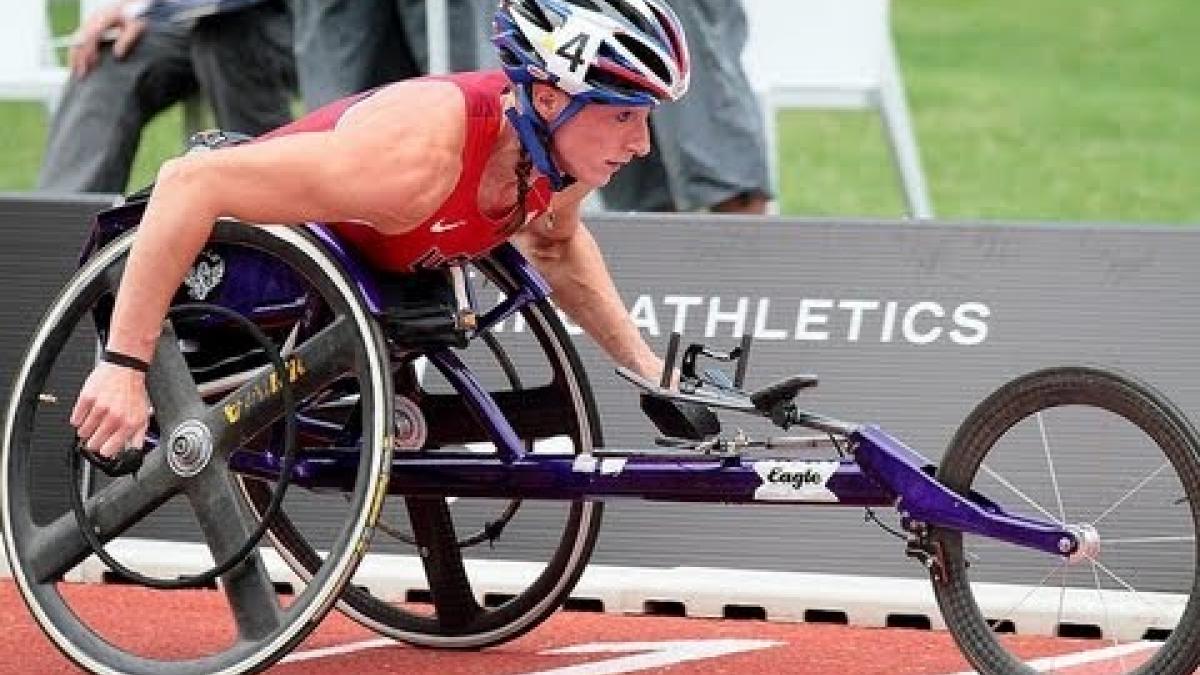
(23, 127)
(1067, 110)
(1064, 110)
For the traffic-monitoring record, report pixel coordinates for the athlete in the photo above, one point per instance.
(422, 173)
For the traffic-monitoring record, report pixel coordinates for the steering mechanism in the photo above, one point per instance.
(690, 382)
(713, 388)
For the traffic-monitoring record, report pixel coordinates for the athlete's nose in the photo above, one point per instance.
(638, 142)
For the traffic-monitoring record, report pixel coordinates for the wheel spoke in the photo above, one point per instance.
(1062, 512)
(1016, 491)
(255, 404)
(170, 385)
(1134, 490)
(453, 598)
(1151, 540)
(1029, 593)
(1062, 596)
(59, 546)
(1157, 609)
(226, 527)
(1108, 625)
(1112, 575)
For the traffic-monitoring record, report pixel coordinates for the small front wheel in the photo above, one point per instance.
(1079, 446)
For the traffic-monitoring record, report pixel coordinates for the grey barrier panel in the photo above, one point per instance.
(908, 325)
(983, 303)
(40, 239)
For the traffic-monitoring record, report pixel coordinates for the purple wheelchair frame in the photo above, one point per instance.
(883, 471)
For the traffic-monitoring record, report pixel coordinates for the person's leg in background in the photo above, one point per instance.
(465, 18)
(243, 60)
(346, 46)
(94, 134)
(710, 146)
(485, 11)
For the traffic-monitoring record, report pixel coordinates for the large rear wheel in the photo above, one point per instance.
(189, 495)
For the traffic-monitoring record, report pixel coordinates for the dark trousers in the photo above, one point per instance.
(347, 46)
(711, 145)
(240, 61)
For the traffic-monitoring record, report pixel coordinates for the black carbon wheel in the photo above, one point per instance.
(45, 548)
(1086, 447)
(534, 371)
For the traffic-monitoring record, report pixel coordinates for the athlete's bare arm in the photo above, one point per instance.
(386, 164)
(566, 254)
(392, 163)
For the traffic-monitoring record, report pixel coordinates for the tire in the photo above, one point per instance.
(459, 619)
(40, 534)
(1038, 440)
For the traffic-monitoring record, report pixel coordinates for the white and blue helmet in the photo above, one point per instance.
(618, 52)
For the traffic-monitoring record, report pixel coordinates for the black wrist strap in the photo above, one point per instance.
(124, 360)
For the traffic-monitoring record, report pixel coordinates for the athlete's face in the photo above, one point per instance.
(600, 139)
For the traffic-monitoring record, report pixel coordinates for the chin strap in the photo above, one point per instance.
(534, 135)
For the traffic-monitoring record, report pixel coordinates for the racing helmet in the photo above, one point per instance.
(619, 52)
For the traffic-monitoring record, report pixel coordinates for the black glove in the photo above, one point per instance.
(680, 419)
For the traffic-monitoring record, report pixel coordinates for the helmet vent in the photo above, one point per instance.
(533, 12)
(611, 82)
(645, 55)
(615, 9)
(632, 15)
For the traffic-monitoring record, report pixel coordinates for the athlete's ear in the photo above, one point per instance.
(548, 100)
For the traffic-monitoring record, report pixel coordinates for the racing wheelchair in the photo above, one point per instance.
(302, 399)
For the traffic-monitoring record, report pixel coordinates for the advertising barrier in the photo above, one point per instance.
(908, 325)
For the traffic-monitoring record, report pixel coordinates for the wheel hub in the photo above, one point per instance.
(411, 430)
(1087, 538)
(190, 448)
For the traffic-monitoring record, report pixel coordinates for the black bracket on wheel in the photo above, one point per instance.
(123, 463)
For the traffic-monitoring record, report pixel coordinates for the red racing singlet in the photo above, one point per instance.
(457, 231)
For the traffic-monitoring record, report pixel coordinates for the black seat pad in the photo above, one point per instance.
(767, 398)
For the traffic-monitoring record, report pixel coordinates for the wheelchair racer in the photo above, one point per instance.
(424, 173)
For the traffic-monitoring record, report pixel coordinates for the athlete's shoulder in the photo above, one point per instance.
(421, 97)
(410, 110)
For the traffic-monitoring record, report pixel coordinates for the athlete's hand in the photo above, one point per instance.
(112, 411)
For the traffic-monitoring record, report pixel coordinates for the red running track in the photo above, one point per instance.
(570, 643)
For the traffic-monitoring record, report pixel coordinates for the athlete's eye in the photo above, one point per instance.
(624, 115)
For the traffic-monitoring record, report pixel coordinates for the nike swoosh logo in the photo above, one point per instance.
(442, 226)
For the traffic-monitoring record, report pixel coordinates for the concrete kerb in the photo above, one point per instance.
(698, 591)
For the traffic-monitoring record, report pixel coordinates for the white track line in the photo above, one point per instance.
(1052, 663)
(654, 654)
(338, 650)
